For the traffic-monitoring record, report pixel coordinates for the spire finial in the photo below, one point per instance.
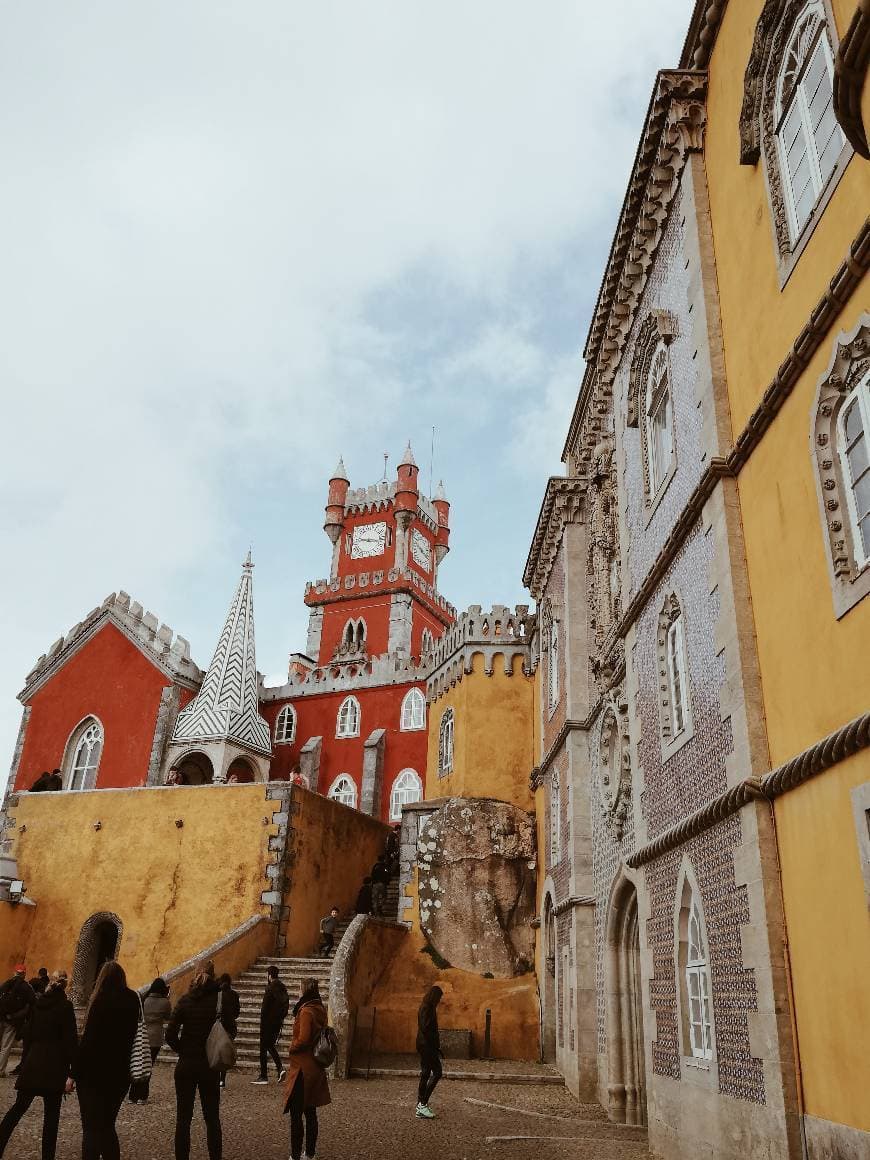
(408, 459)
(248, 564)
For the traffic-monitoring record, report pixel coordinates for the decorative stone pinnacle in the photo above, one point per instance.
(340, 471)
(440, 492)
(408, 459)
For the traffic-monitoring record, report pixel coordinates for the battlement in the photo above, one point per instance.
(322, 591)
(169, 649)
(346, 677)
(498, 631)
(380, 496)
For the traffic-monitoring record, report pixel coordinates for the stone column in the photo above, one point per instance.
(315, 630)
(373, 772)
(399, 641)
(309, 761)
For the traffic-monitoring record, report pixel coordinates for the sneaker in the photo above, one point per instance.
(282, 1075)
(424, 1112)
(260, 1080)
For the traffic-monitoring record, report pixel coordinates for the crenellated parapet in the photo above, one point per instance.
(325, 591)
(499, 632)
(167, 649)
(347, 677)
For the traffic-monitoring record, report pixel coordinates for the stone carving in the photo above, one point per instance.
(659, 325)
(602, 566)
(850, 72)
(614, 765)
(476, 881)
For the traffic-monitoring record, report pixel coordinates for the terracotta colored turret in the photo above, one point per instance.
(407, 492)
(442, 507)
(338, 485)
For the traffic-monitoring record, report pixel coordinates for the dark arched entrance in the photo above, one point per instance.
(626, 1072)
(98, 943)
(195, 769)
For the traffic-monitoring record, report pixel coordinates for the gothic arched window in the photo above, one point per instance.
(445, 743)
(853, 446)
(407, 788)
(697, 1009)
(343, 790)
(551, 644)
(555, 818)
(285, 726)
(658, 422)
(427, 643)
(84, 749)
(413, 711)
(348, 718)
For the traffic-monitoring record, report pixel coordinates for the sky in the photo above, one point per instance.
(241, 239)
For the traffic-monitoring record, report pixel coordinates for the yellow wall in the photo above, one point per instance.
(16, 923)
(829, 940)
(175, 890)
(330, 850)
(493, 750)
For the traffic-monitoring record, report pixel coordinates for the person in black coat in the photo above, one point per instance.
(102, 1071)
(273, 1012)
(187, 1033)
(429, 1050)
(16, 1002)
(50, 1042)
(364, 898)
(231, 1005)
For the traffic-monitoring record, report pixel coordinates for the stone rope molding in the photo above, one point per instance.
(850, 76)
(830, 751)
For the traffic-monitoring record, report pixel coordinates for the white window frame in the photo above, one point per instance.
(659, 420)
(349, 719)
(283, 734)
(407, 789)
(446, 739)
(555, 818)
(859, 396)
(89, 734)
(413, 715)
(817, 39)
(343, 790)
(699, 1018)
(675, 651)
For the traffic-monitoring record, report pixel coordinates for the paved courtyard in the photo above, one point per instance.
(367, 1120)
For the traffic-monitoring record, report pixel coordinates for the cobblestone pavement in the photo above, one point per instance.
(367, 1120)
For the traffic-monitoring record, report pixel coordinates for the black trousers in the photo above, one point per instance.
(192, 1076)
(99, 1106)
(268, 1039)
(327, 942)
(50, 1121)
(430, 1073)
(303, 1121)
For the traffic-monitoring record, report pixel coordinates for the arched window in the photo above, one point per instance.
(808, 138)
(349, 637)
(674, 700)
(348, 718)
(407, 788)
(695, 981)
(445, 743)
(427, 643)
(343, 790)
(84, 749)
(853, 445)
(413, 710)
(659, 425)
(285, 726)
(555, 818)
(553, 665)
(360, 633)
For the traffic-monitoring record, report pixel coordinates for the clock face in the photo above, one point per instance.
(368, 540)
(420, 550)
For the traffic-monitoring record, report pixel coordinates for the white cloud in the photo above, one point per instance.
(238, 239)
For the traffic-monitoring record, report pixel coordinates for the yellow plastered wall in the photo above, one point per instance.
(176, 890)
(829, 940)
(493, 746)
(16, 923)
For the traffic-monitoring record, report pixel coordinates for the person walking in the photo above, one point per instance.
(328, 927)
(157, 1009)
(16, 1002)
(276, 1003)
(307, 1087)
(380, 878)
(102, 1070)
(429, 1050)
(231, 1005)
(51, 1042)
(364, 898)
(187, 1034)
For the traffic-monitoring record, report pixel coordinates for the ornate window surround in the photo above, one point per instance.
(614, 765)
(758, 128)
(555, 818)
(285, 726)
(88, 725)
(849, 366)
(550, 645)
(445, 742)
(699, 1059)
(656, 332)
(671, 612)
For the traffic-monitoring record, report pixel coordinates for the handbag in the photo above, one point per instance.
(220, 1050)
(326, 1047)
(140, 1053)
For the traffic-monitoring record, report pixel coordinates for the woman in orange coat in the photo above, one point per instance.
(306, 1088)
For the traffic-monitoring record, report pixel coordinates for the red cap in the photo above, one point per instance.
(20, 969)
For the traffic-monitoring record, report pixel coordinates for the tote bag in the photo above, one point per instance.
(220, 1050)
(140, 1053)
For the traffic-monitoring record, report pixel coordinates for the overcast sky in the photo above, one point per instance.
(240, 239)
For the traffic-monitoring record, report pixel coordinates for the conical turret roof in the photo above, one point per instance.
(408, 459)
(340, 471)
(440, 493)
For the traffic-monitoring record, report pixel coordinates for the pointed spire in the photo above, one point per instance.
(408, 459)
(226, 706)
(439, 491)
(340, 471)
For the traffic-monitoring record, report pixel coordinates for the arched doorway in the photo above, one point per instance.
(626, 1075)
(240, 770)
(548, 995)
(98, 943)
(195, 769)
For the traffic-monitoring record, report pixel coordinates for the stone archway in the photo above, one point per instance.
(99, 940)
(195, 769)
(626, 1069)
(548, 990)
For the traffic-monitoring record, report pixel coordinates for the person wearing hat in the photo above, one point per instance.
(16, 1002)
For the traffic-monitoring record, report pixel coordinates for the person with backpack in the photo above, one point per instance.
(276, 1004)
(187, 1033)
(51, 1043)
(328, 927)
(231, 1005)
(429, 1050)
(102, 1069)
(16, 1002)
(307, 1087)
(156, 1009)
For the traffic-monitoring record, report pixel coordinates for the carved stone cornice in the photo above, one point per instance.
(850, 75)
(674, 128)
(562, 504)
(830, 751)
